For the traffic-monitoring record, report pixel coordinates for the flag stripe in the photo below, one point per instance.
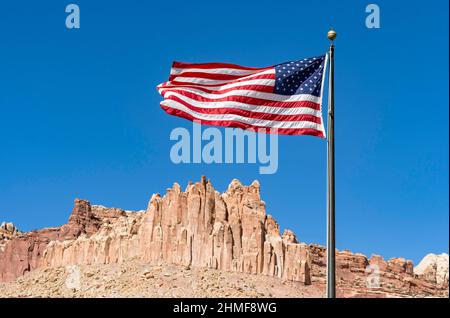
(244, 112)
(215, 65)
(302, 110)
(231, 71)
(240, 96)
(214, 79)
(258, 122)
(213, 76)
(245, 126)
(261, 75)
(250, 83)
(206, 92)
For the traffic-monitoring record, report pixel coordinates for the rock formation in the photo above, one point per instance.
(23, 252)
(8, 230)
(200, 227)
(434, 268)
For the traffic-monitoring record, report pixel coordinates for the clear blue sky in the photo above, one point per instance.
(80, 114)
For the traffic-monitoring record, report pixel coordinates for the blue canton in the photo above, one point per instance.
(300, 77)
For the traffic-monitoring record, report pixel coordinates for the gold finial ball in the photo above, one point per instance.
(332, 34)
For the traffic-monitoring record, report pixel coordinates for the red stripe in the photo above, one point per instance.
(257, 88)
(215, 65)
(246, 113)
(236, 124)
(213, 76)
(246, 78)
(247, 100)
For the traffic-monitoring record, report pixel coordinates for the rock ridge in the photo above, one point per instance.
(200, 227)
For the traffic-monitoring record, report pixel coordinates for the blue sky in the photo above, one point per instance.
(80, 114)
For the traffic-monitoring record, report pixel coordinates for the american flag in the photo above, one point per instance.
(283, 99)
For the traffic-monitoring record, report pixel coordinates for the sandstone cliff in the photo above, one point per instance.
(198, 227)
(202, 228)
(434, 268)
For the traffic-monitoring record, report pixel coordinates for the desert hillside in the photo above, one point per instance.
(134, 278)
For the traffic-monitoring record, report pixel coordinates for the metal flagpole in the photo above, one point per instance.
(331, 268)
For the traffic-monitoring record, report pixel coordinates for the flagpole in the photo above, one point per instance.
(331, 257)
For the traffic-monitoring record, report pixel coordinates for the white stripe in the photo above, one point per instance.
(321, 90)
(245, 120)
(249, 93)
(264, 81)
(228, 71)
(198, 80)
(207, 81)
(248, 107)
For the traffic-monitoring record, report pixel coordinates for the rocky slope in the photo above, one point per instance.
(200, 228)
(135, 278)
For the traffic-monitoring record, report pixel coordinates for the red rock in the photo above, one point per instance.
(200, 227)
(24, 251)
